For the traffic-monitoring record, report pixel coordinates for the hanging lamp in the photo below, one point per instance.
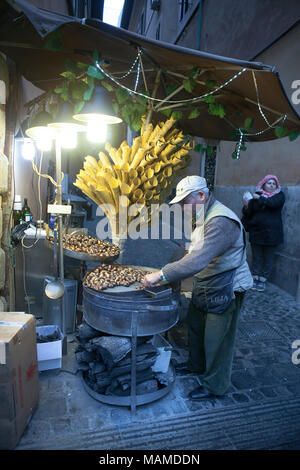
(39, 131)
(64, 126)
(99, 108)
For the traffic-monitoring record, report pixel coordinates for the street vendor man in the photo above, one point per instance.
(217, 261)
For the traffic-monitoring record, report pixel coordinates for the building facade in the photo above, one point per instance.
(267, 32)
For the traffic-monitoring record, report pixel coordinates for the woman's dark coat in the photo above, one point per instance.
(262, 219)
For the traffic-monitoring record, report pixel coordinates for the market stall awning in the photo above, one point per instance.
(40, 42)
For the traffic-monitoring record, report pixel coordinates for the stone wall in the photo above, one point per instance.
(286, 269)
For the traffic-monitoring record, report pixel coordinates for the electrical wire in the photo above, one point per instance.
(37, 236)
(24, 274)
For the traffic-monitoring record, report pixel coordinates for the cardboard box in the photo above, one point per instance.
(19, 380)
(49, 354)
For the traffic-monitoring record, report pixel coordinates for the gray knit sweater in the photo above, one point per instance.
(220, 233)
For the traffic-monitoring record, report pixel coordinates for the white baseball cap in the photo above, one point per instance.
(188, 185)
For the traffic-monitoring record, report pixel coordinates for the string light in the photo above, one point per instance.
(166, 101)
(133, 65)
(137, 77)
(242, 134)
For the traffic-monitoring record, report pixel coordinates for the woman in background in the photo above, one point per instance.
(262, 219)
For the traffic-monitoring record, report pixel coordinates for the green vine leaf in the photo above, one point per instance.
(210, 83)
(194, 114)
(176, 115)
(209, 99)
(58, 90)
(139, 108)
(281, 131)
(122, 95)
(189, 84)
(171, 88)
(107, 86)
(248, 123)
(217, 109)
(115, 107)
(88, 94)
(78, 107)
(234, 155)
(166, 112)
(69, 75)
(78, 89)
(94, 72)
(90, 81)
(65, 91)
(136, 124)
(193, 72)
(81, 65)
(293, 135)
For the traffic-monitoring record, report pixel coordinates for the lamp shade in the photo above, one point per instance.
(99, 108)
(64, 120)
(38, 126)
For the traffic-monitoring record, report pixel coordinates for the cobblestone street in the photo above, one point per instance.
(260, 411)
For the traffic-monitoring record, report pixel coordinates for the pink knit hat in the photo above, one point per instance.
(259, 186)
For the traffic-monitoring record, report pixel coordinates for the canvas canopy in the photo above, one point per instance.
(246, 89)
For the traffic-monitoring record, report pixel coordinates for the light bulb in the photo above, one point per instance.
(68, 138)
(44, 145)
(96, 131)
(28, 150)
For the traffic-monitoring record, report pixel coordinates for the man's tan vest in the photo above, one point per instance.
(234, 257)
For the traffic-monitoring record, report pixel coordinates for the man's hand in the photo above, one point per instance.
(151, 279)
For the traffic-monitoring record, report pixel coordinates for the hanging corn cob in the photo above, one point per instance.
(144, 174)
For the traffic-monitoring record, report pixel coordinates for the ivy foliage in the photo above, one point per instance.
(79, 81)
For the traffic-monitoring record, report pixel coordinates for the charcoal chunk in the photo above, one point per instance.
(139, 367)
(121, 386)
(55, 336)
(84, 356)
(112, 349)
(86, 332)
(97, 367)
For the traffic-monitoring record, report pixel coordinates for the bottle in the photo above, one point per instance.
(27, 216)
(18, 215)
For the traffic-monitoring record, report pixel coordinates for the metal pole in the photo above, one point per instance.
(133, 361)
(60, 226)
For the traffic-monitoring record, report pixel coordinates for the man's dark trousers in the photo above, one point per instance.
(211, 339)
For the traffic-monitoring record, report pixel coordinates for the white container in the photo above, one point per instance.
(49, 355)
(3, 173)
